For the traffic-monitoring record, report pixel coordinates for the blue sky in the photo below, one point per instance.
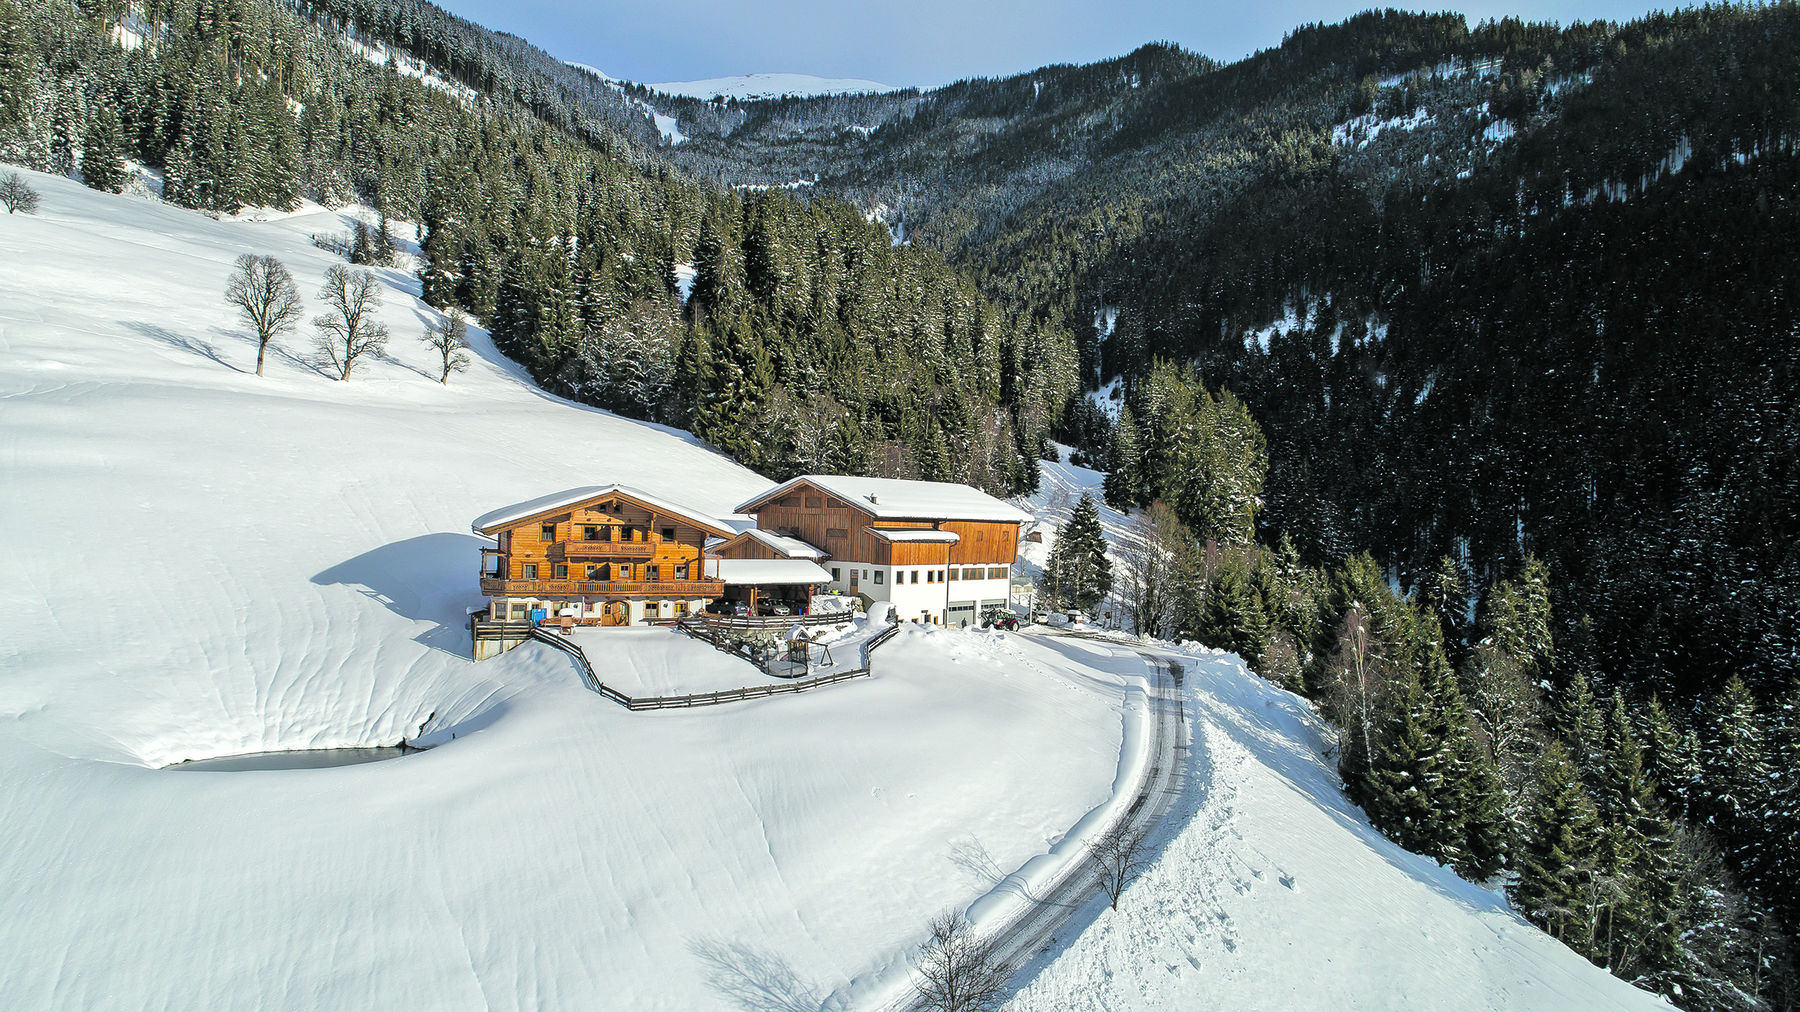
(923, 42)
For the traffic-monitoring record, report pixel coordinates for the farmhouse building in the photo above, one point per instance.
(940, 552)
(602, 554)
(615, 555)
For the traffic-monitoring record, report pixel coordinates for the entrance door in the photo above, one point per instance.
(615, 613)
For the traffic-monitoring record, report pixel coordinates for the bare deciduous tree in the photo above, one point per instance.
(267, 301)
(17, 194)
(958, 971)
(1119, 856)
(450, 340)
(1158, 542)
(349, 331)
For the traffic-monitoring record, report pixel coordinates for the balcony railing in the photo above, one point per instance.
(496, 587)
(598, 549)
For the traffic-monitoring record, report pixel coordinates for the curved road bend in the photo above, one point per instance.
(1038, 928)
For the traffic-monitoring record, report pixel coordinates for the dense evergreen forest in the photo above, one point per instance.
(1511, 306)
(1449, 372)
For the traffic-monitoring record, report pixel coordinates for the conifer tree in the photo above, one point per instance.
(1670, 760)
(1576, 718)
(1782, 868)
(1408, 793)
(1087, 574)
(1734, 775)
(1555, 861)
(1446, 596)
(1232, 617)
(1639, 929)
(1486, 831)
(1124, 488)
(102, 158)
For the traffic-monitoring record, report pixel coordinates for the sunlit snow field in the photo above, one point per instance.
(205, 563)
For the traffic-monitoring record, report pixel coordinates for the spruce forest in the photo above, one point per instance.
(1447, 373)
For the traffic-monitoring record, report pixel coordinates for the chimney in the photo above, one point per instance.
(872, 499)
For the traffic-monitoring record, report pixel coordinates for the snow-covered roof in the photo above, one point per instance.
(487, 523)
(900, 498)
(766, 571)
(792, 548)
(914, 534)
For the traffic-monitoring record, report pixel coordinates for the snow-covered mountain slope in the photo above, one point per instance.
(1274, 892)
(201, 562)
(1271, 889)
(748, 86)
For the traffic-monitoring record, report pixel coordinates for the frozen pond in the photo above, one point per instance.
(295, 759)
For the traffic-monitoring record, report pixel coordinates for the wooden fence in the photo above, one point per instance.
(593, 681)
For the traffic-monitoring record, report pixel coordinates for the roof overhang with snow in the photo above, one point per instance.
(489, 524)
(788, 548)
(900, 499)
(764, 572)
(913, 534)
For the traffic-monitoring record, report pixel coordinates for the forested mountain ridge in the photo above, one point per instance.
(1513, 308)
(1475, 285)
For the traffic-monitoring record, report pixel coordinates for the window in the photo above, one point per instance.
(624, 570)
(833, 504)
(915, 578)
(996, 572)
(618, 507)
(931, 576)
(814, 502)
(601, 572)
(590, 533)
(878, 576)
(653, 573)
(668, 534)
(865, 574)
(681, 571)
(837, 575)
(547, 532)
(528, 571)
(940, 576)
(517, 613)
(681, 607)
(836, 532)
(592, 571)
(562, 571)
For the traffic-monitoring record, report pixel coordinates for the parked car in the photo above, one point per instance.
(999, 618)
(775, 608)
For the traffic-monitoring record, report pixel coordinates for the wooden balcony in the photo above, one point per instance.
(598, 549)
(675, 589)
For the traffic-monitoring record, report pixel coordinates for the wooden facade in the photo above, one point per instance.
(608, 549)
(843, 528)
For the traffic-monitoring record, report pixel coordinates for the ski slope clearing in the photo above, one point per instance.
(205, 563)
(751, 86)
(1274, 892)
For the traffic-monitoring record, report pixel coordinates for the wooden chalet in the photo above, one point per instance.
(941, 552)
(599, 555)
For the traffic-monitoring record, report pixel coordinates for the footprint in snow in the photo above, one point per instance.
(1288, 880)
